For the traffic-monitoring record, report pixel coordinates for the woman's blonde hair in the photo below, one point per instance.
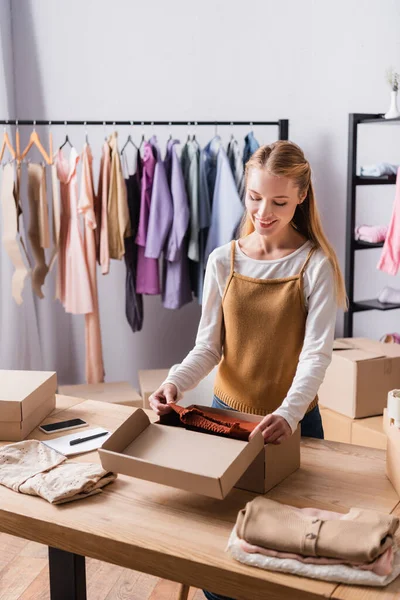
(286, 159)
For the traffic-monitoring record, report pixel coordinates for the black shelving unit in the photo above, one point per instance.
(352, 245)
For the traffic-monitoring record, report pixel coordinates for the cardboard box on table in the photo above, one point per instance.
(206, 464)
(26, 399)
(369, 432)
(361, 374)
(115, 392)
(361, 432)
(337, 427)
(392, 452)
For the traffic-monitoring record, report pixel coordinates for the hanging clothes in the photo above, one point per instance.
(206, 190)
(73, 282)
(38, 231)
(103, 252)
(227, 208)
(56, 215)
(12, 240)
(236, 163)
(390, 257)
(147, 277)
(176, 281)
(133, 300)
(118, 214)
(161, 209)
(190, 167)
(250, 146)
(86, 207)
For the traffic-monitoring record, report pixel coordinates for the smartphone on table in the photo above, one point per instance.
(62, 425)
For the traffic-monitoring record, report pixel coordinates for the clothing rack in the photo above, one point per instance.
(353, 245)
(282, 124)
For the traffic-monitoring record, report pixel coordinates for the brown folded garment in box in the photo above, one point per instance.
(194, 418)
(360, 536)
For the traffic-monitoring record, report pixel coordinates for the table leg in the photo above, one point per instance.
(67, 575)
(183, 592)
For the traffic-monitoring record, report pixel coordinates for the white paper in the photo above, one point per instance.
(61, 444)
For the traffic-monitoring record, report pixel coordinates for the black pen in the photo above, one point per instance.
(86, 439)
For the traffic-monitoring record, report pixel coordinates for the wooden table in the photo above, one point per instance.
(181, 536)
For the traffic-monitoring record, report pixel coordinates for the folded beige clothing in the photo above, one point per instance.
(340, 573)
(67, 482)
(25, 459)
(31, 467)
(360, 536)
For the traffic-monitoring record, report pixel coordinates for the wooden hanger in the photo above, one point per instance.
(6, 143)
(35, 140)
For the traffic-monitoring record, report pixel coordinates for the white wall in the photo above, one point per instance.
(310, 61)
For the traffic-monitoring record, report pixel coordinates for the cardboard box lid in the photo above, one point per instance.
(22, 392)
(358, 349)
(197, 462)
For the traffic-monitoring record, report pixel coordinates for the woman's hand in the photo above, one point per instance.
(161, 398)
(275, 429)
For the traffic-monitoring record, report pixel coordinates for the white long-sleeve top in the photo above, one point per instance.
(320, 301)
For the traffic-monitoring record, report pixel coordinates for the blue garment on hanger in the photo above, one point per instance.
(250, 146)
(226, 206)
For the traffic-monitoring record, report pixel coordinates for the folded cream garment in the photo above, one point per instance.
(30, 467)
(359, 536)
(340, 572)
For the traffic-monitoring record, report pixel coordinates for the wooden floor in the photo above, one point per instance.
(24, 575)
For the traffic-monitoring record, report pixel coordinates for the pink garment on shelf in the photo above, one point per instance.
(94, 353)
(73, 283)
(390, 257)
(382, 565)
(371, 233)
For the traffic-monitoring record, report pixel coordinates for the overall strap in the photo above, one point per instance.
(232, 257)
(303, 268)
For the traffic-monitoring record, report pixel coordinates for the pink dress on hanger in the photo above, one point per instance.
(94, 354)
(73, 283)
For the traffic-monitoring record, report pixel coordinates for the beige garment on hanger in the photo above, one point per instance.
(103, 253)
(12, 240)
(38, 232)
(56, 214)
(118, 214)
(86, 206)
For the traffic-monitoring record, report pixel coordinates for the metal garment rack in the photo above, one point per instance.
(352, 245)
(282, 124)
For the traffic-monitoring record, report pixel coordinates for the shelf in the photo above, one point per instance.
(379, 119)
(372, 305)
(360, 245)
(385, 180)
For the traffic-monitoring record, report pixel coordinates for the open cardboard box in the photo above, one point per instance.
(198, 462)
(26, 398)
(361, 374)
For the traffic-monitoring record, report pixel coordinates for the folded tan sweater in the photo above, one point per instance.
(31, 467)
(361, 536)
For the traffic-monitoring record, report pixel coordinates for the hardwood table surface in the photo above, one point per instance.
(182, 536)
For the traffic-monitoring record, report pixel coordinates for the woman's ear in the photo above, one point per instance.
(302, 197)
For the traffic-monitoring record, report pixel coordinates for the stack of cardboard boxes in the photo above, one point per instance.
(26, 399)
(354, 392)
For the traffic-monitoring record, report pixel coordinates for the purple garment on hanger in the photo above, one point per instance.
(161, 210)
(147, 276)
(176, 281)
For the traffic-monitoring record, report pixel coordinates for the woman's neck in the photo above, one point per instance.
(265, 248)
